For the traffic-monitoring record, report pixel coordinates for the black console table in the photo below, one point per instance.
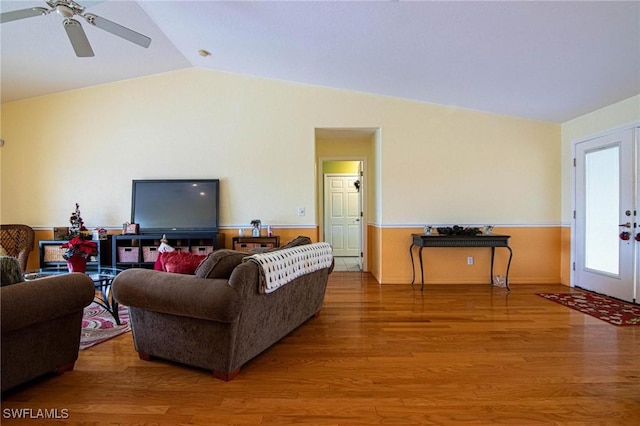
(492, 241)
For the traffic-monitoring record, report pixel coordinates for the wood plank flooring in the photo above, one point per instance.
(454, 354)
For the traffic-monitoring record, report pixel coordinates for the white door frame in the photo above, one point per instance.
(574, 248)
(363, 219)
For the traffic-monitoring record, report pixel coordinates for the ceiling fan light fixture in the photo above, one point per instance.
(68, 9)
(204, 53)
(65, 11)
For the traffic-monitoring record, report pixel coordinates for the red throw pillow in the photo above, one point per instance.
(179, 262)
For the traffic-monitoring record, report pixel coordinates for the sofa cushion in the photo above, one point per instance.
(179, 262)
(11, 272)
(220, 264)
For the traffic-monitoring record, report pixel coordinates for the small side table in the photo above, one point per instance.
(492, 241)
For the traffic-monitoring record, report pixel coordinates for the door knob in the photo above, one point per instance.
(625, 236)
(626, 225)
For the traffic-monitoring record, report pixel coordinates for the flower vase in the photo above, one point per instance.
(77, 264)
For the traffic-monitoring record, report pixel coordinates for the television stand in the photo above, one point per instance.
(141, 251)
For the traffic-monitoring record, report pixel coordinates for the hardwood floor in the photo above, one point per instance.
(454, 354)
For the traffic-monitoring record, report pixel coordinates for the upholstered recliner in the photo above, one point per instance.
(41, 322)
(17, 241)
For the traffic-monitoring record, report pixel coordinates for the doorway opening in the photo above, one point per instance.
(344, 194)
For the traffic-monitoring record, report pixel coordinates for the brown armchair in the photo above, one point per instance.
(40, 322)
(17, 241)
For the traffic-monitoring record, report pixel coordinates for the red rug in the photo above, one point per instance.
(604, 308)
(98, 325)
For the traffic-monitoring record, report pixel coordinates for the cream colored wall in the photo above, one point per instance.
(461, 166)
(614, 116)
(435, 164)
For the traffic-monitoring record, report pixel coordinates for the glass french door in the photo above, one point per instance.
(605, 215)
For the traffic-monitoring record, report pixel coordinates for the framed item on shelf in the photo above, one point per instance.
(60, 233)
(131, 229)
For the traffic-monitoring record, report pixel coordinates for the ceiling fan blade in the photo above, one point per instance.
(78, 38)
(14, 15)
(119, 30)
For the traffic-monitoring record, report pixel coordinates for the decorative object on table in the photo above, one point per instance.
(241, 232)
(458, 230)
(269, 231)
(488, 229)
(130, 228)
(60, 233)
(76, 229)
(77, 224)
(98, 325)
(604, 308)
(78, 252)
(500, 281)
(256, 224)
(99, 234)
(428, 230)
(164, 246)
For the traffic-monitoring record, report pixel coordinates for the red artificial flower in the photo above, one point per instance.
(79, 247)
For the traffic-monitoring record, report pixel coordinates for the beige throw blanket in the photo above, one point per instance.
(282, 266)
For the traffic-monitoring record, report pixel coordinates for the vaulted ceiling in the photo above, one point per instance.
(550, 61)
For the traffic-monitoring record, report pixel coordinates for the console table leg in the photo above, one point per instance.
(493, 252)
(421, 269)
(506, 278)
(413, 270)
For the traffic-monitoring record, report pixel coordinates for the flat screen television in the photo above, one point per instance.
(175, 205)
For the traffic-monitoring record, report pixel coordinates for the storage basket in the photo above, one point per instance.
(149, 254)
(53, 253)
(201, 249)
(128, 254)
(246, 247)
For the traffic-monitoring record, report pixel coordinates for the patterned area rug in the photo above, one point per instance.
(604, 308)
(98, 325)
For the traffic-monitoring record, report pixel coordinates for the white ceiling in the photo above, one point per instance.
(550, 61)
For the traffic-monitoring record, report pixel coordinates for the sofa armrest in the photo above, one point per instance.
(44, 299)
(177, 294)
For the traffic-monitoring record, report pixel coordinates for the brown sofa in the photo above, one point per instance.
(41, 323)
(217, 319)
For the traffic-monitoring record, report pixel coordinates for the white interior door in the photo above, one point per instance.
(342, 214)
(605, 201)
(362, 230)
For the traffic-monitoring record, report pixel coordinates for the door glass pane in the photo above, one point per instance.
(602, 197)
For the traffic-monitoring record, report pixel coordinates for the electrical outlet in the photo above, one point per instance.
(301, 211)
(470, 260)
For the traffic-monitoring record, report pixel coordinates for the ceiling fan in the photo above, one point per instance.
(68, 9)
